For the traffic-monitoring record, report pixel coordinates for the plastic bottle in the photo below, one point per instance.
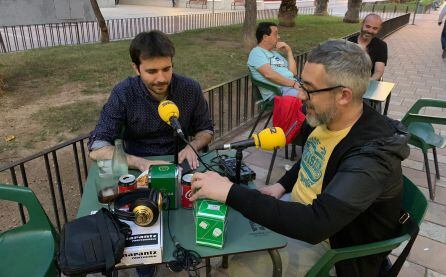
(119, 161)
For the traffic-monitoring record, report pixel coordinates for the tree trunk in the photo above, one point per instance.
(321, 7)
(249, 25)
(287, 13)
(352, 14)
(102, 26)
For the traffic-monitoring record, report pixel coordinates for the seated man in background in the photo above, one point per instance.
(131, 112)
(374, 46)
(347, 188)
(268, 66)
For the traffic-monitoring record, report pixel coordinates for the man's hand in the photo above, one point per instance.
(143, 164)
(275, 190)
(283, 46)
(210, 185)
(188, 154)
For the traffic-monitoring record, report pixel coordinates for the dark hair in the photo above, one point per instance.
(151, 44)
(264, 28)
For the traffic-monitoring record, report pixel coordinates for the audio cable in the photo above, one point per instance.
(196, 153)
(187, 260)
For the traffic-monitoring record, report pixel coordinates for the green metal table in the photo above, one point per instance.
(242, 234)
(379, 91)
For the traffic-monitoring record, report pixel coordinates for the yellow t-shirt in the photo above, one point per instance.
(317, 152)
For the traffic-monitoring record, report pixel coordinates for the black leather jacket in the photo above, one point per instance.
(361, 194)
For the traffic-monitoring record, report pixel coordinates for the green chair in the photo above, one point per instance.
(423, 134)
(30, 249)
(264, 104)
(414, 203)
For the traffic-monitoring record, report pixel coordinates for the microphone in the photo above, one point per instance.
(169, 113)
(267, 139)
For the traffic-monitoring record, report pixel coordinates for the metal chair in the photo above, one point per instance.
(414, 203)
(29, 249)
(423, 134)
(265, 105)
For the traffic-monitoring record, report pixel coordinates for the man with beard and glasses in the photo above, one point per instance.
(131, 111)
(375, 47)
(347, 188)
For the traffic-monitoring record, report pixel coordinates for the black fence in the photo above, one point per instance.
(57, 174)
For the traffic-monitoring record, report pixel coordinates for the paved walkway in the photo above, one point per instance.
(415, 65)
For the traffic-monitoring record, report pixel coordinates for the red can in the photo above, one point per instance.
(187, 192)
(126, 183)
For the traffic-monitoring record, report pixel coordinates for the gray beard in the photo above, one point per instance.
(321, 119)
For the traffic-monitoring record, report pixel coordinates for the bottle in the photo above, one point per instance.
(119, 161)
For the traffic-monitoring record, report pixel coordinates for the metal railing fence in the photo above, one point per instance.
(26, 37)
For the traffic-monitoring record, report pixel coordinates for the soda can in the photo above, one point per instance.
(187, 192)
(126, 183)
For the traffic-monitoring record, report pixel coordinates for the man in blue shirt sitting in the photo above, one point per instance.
(268, 66)
(131, 111)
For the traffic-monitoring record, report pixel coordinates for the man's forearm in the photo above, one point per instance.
(276, 78)
(292, 66)
(103, 153)
(201, 139)
(106, 153)
(379, 71)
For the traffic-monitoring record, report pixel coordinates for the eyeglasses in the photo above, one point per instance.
(316, 90)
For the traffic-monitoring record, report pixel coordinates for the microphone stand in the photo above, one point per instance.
(238, 165)
(177, 147)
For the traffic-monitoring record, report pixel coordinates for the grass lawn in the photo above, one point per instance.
(62, 89)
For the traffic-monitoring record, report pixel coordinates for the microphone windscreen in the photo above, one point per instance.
(271, 138)
(167, 109)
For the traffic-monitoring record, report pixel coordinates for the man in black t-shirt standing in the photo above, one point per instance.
(375, 47)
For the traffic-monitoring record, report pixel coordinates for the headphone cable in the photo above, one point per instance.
(185, 259)
(196, 153)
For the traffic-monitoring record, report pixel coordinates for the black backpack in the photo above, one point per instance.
(93, 243)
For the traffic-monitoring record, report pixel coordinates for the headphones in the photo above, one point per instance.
(141, 205)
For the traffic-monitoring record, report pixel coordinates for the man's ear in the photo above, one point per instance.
(345, 96)
(136, 68)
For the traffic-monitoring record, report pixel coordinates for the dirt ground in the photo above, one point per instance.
(17, 120)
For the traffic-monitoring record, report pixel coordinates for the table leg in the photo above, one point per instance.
(277, 262)
(208, 267)
(224, 261)
(386, 107)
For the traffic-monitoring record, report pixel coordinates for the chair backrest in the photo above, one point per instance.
(34, 244)
(414, 202)
(38, 220)
(258, 84)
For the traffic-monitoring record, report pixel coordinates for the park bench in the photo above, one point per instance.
(203, 3)
(237, 3)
